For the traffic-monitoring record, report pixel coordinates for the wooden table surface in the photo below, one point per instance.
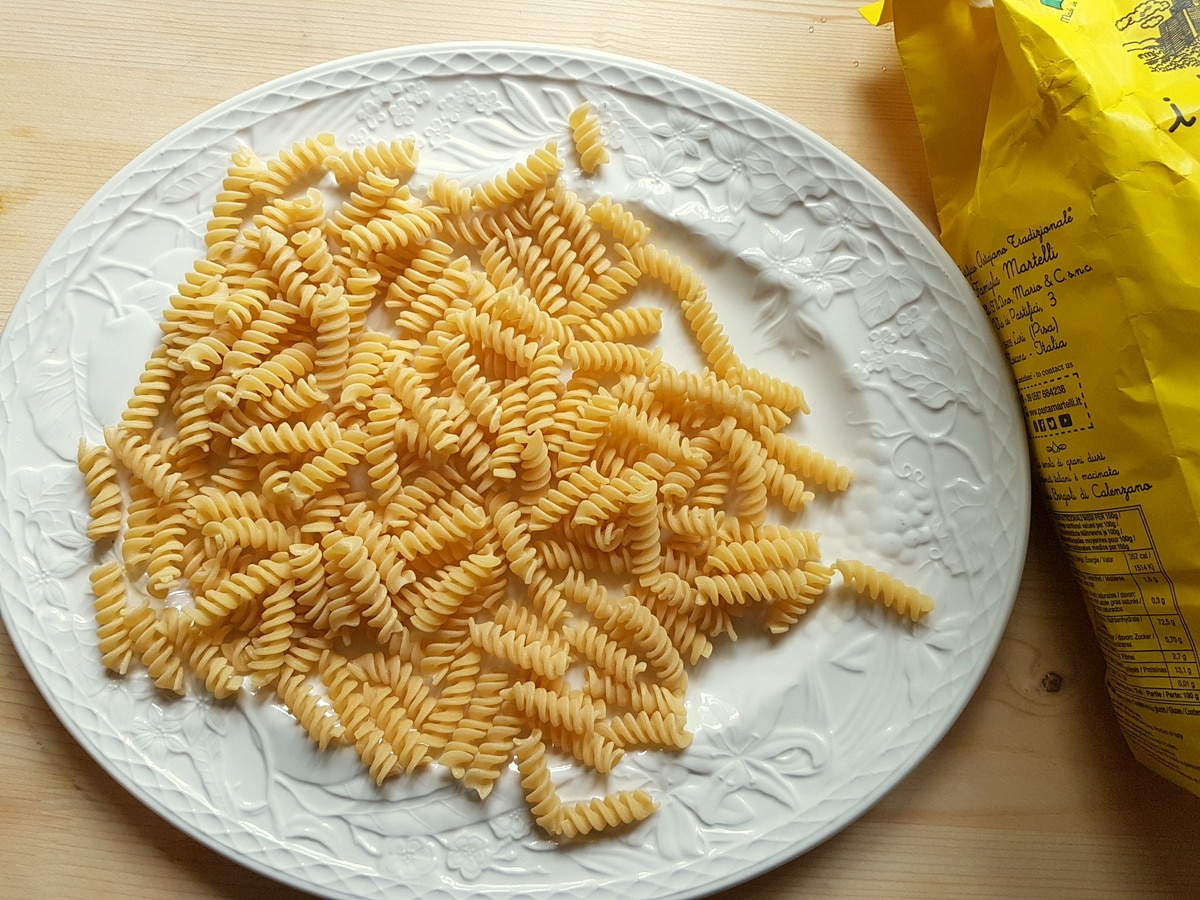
(1031, 794)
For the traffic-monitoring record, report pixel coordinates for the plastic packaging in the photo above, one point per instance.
(1061, 137)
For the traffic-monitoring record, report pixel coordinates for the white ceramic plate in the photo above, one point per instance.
(819, 275)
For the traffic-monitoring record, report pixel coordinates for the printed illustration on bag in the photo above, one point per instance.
(1164, 34)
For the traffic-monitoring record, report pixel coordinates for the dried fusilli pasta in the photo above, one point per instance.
(401, 440)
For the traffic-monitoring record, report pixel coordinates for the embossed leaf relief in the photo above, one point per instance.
(681, 130)
(739, 768)
(912, 352)
(729, 171)
(195, 177)
(844, 226)
(52, 520)
(960, 544)
(856, 656)
(790, 276)
(931, 665)
(885, 291)
(54, 382)
(501, 124)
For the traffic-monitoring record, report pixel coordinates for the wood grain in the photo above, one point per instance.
(1031, 794)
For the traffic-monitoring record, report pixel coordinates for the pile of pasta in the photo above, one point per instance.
(410, 460)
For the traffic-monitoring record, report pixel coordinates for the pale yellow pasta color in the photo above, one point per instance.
(395, 445)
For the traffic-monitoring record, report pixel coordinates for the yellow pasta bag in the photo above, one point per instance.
(1061, 137)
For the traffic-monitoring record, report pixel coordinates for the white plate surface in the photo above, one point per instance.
(819, 274)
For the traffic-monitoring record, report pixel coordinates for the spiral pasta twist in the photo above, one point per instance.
(293, 215)
(145, 461)
(520, 180)
(464, 744)
(484, 331)
(426, 266)
(520, 311)
(422, 538)
(605, 653)
(535, 469)
(437, 599)
(311, 710)
(284, 368)
(740, 588)
(328, 466)
(288, 437)
(453, 285)
(561, 222)
(889, 590)
(647, 729)
(281, 403)
(348, 555)
(590, 424)
(431, 419)
(404, 222)
(151, 393)
(259, 338)
(238, 591)
(165, 553)
(585, 133)
(220, 234)
(153, 645)
(621, 223)
(785, 611)
(103, 489)
(393, 159)
(572, 710)
(781, 483)
(116, 642)
(544, 804)
(495, 751)
(512, 429)
(612, 357)
(785, 552)
(624, 324)
(361, 725)
(368, 198)
(301, 160)
(804, 461)
(331, 315)
(204, 656)
(638, 697)
(609, 811)
(522, 649)
(569, 555)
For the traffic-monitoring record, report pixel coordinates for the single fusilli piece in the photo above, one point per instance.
(609, 811)
(394, 159)
(103, 490)
(893, 593)
(520, 180)
(585, 133)
(116, 641)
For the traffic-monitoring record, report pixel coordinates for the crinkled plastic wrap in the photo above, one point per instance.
(1061, 137)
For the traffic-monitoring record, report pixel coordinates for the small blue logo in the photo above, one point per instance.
(1053, 4)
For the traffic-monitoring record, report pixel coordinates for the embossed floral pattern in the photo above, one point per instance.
(410, 858)
(397, 103)
(683, 131)
(158, 733)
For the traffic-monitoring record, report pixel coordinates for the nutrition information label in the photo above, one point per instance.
(1145, 639)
